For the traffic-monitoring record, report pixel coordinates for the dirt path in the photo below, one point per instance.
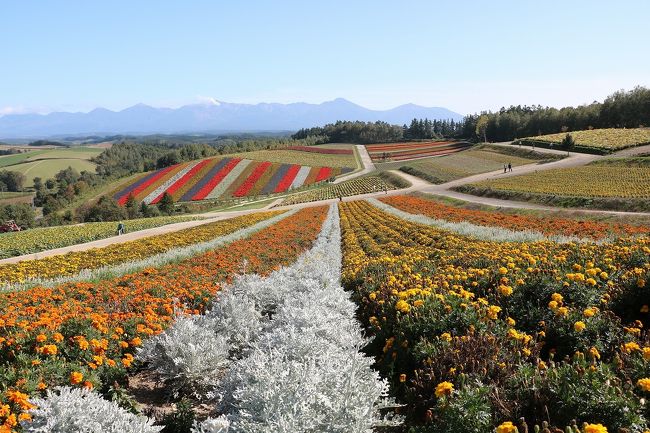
(368, 165)
(169, 228)
(417, 185)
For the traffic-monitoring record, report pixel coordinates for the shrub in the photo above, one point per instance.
(81, 410)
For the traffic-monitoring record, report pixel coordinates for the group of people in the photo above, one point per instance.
(507, 167)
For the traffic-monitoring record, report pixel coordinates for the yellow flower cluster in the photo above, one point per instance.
(47, 238)
(72, 263)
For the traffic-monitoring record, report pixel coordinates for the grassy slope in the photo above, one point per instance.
(45, 163)
(461, 164)
(48, 168)
(298, 157)
(613, 184)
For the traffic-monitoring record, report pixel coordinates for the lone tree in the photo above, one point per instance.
(166, 203)
(481, 127)
(568, 143)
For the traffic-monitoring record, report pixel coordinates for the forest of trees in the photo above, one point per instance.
(623, 109)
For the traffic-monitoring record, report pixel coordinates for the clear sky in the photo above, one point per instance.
(464, 55)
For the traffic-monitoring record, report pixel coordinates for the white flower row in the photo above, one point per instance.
(231, 177)
(173, 255)
(172, 180)
(301, 177)
(487, 233)
(277, 354)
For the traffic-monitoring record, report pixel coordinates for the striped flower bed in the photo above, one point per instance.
(222, 178)
(322, 150)
(404, 151)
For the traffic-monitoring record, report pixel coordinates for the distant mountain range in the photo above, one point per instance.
(208, 117)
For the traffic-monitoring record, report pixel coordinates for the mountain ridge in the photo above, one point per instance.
(209, 116)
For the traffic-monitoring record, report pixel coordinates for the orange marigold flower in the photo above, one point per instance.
(444, 388)
(76, 377)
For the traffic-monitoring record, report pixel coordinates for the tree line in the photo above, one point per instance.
(622, 109)
(358, 132)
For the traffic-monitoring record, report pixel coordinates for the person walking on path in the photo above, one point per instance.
(504, 168)
(120, 228)
(509, 167)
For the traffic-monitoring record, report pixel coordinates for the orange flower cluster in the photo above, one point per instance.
(85, 333)
(549, 226)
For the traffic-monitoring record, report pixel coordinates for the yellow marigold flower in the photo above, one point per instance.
(403, 306)
(41, 338)
(557, 297)
(644, 308)
(591, 282)
(444, 388)
(493, 311)
(646, 353)
(542, 365)
(418, 303)
(593, 352)
(372, 296)
(505, 290)
(58, 337)
(579, 326)
(507, 427)
(446, 336)
(562, 311)
(503, 270)
(630, 347)
(595, 428)
(76, 377)
(589, 312)
(603, 275)
(644, 384)
(552, 305)
(510, 321)
(402, 378)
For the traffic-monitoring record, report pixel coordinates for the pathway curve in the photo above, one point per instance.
(169, 228)
(417, 185)
(368, 165)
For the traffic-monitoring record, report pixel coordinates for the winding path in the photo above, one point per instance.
(417, 185)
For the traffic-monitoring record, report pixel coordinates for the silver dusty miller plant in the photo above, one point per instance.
(78, 410)
(305, 371)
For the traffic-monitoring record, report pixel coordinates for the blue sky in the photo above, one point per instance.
(463, 55)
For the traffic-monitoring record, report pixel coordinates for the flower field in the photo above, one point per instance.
(74, 262)
(40, 239)
(347, 188)
(595, 180)
(405, 151)
(610, 139)
(550, 226)
(223, 178)
(86, 334)
(475, 335)
(323, 150)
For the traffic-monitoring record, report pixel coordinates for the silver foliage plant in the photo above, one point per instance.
(486, 233)
(304, 371)
(78, 410)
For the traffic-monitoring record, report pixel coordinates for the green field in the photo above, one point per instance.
(46, 169)
(442, 169)
(301, 158)
(45, 163)
(17, 158)
(6, 195)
